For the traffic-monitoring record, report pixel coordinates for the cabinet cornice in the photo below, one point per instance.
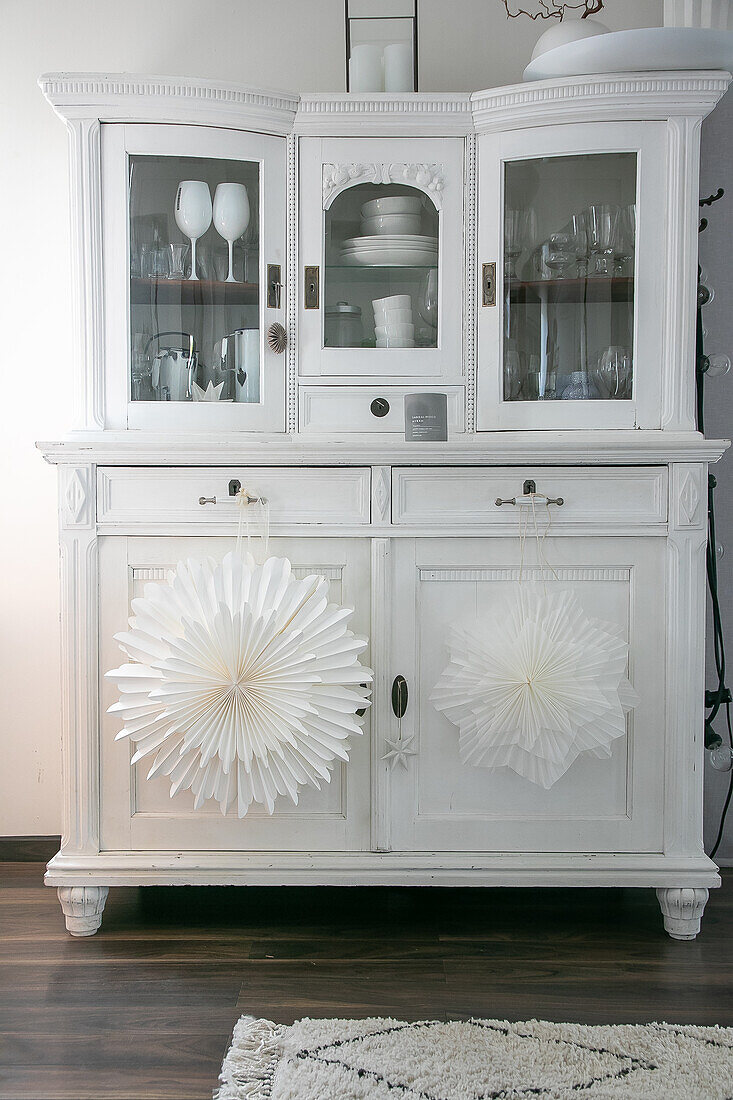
(619, 96)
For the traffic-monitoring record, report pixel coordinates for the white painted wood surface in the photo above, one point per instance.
(407, 534)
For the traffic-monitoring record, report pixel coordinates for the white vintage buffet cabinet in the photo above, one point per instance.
(550, 265)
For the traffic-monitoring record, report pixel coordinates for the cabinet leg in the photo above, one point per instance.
(82, 908)
(682, 910)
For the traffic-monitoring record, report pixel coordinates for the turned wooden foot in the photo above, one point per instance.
(682, 910)
(82, 907)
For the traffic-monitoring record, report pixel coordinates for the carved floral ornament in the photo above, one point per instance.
(426, 177)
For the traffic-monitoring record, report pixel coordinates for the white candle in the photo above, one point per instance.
(398, 75)
(365, 69)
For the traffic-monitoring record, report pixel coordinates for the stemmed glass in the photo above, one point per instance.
(579, 233)
(514, 224)
(602, 222)
(231, 216)
(560, 252)
(626, 239)
(427, 303)
(193, 213)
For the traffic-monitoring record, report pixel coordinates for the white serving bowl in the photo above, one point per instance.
(403, 331)
(395, 342)
(393, 316)
(394, 301)
(408, 224)
(393, 205)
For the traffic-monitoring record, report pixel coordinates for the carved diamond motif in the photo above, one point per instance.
(75, 497)
(689, 498)
(382, 494)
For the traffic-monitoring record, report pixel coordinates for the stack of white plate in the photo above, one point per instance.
(390, 250)
(391, 236)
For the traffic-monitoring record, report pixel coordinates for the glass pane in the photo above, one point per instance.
(381, 284)
(194, 279)
(569, 261)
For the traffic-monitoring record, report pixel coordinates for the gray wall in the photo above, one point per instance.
(298, 44)
(716, 245)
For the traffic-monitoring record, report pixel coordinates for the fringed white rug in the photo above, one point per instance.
(383, 1059)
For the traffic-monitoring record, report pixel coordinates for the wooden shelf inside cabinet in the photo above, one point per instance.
(594, 289)
(192, 292)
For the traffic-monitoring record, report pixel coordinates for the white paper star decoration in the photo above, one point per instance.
(398, 751)
(533, 687)
(211, 393)
(243, 680)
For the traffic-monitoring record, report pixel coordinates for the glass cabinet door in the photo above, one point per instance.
(576, 300)
(203, 245)
(381, 249)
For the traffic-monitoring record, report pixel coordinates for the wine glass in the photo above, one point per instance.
(612, 374)
(231, 216)
(626, 239)
(579, 231)
(427, 303)
(514, 224)
(602, 222)
(193, 213)
(560, 252)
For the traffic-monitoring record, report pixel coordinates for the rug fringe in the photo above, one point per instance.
(249, 1066)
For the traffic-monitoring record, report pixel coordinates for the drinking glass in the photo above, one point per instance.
(612, 374)
(579, 232)
(231, 216)
(626, 240)
(603, 235)
(427, 303)
(514, 225)
(512, 375)
(193, 213)
(176, 260)
(560, 253)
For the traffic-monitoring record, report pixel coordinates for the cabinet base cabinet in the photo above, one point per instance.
(682, 906)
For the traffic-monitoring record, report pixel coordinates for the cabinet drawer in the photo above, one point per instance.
(615, 497)
(144, 498)
(339, 409)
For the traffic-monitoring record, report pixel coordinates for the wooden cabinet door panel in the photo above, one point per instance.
(607, 805)
(138, 813)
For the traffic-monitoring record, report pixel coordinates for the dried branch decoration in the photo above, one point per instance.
(551, 9)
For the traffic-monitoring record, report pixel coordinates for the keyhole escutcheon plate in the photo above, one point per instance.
(312, 287)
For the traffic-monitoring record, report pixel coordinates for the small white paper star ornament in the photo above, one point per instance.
(535, 684)
(244, 681)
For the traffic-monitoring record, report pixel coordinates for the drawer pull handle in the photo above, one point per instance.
(249, 499)
(531, 498)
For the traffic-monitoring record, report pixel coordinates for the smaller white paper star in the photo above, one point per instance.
(399, 751)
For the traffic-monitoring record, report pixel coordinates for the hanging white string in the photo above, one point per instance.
(542, 562)
(245, 505)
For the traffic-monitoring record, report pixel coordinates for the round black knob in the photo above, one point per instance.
(379, 406)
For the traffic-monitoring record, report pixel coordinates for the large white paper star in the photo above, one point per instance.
(534, 686)
(243, 680)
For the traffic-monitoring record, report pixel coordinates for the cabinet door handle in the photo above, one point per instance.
(312, 287)
(488, 284)
(399, 696)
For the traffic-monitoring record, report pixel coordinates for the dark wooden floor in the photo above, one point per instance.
(145, 1008)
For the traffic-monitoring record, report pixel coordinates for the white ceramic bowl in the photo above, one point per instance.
(402, 331)
(395, 342)
(393, 316)
(395, 301)
(408, 224)
(393, 205)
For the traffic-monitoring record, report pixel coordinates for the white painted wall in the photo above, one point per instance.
(294, 44)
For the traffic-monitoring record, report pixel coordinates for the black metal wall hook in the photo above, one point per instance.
(709, 202)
